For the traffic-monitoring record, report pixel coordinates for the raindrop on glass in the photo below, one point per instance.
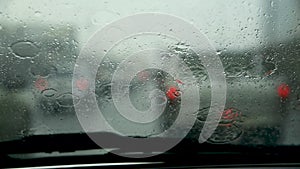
(66, 100)
(24, 49)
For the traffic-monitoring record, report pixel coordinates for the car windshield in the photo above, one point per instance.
(218, 72)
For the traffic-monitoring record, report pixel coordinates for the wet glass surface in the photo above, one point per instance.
(257, 42)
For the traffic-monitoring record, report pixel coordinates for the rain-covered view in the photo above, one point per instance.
(258, 43)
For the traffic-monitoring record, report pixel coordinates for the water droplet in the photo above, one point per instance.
(224, 134)
(199, 71)
(230, 115)
(249, 19)
(202, 114)
(24, 49)
(234, 70)
(66, 100)
(49, 92)
(37, 13)
(180, 48)
(272, 4)
(42, 70)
